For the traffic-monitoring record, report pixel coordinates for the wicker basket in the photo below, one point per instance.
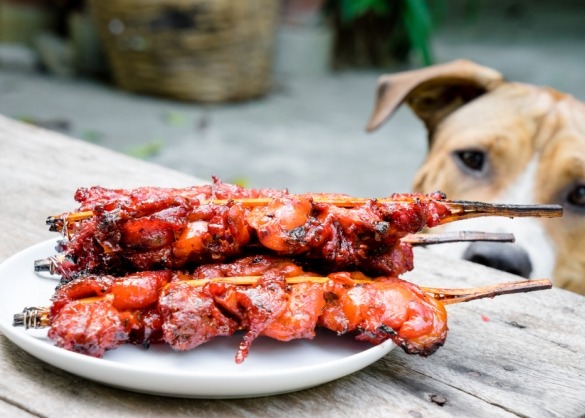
(199, 50)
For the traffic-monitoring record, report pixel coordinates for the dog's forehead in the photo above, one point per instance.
(561, 141)
(520, 112)
(508, 105)
(570, 115)
(562, 158)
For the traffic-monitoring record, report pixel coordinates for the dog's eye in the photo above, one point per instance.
(472, 159)
(576, 196)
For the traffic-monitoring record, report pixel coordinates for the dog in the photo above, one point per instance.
(497, 141)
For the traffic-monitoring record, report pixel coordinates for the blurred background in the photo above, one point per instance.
(265, 93)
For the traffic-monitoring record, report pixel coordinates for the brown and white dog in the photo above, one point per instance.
(497, 141)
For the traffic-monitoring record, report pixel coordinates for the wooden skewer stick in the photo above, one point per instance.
(458, 236)
(39, 317)
(447, 296)
(451, 296)
(33, 317)
(467, 210)
(58, 223)
(50, 263)
(460, 209)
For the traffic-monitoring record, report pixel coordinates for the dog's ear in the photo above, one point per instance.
(432, 92)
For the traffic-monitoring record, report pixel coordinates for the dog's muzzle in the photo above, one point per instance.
(510, 258)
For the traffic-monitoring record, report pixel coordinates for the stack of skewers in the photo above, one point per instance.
(183, 266)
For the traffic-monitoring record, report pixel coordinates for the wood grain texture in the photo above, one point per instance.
(518, 355)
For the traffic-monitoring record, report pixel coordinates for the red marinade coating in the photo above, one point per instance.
(92, 197)
(305, 302)
(254, 265)
(183, 233)
(194, 315)
(89, 328)
(191, 317)
(214, 233)
(138, 290)
(89, 286)
(392, 309)
(188, 314)
(128, 306)
(261, 305)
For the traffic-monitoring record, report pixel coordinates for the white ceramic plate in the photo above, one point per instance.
(209, 371)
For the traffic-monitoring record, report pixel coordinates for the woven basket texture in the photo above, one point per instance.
(196, 50)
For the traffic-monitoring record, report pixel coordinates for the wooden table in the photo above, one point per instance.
(518, 355)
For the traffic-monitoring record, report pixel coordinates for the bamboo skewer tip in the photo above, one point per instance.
(452, 296)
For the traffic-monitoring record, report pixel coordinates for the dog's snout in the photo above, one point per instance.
(510, 258)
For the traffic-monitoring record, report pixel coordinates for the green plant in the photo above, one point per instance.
(415, 16)
(146, 150)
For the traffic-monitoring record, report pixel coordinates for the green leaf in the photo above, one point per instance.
(91, 135)
(26, 119)
(353, 9)
(418, 23)
(241, 181)
(174, 118)
(147, 150)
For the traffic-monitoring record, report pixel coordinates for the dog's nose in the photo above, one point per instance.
(510, 258)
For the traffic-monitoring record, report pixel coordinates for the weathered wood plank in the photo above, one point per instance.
(522, 351)
(14, 411)
(519, 355)
(387, 386)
